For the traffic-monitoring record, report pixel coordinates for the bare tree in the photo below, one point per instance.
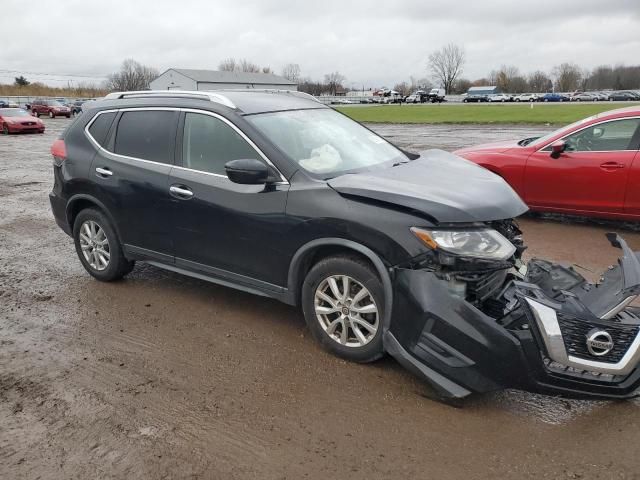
(505, 79)
(333, 81)
(247, 66)
(419, 83)
(461, 85)
(132, 76)
(291, 72)
(446, 65)
(539, 82)
(243, 65)
(568, 77)
(228, 65)
(403, 88)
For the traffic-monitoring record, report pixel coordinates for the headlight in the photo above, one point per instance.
(485, 243)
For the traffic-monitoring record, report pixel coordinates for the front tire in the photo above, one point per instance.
(5, 129)
(343, 305)
(52, 115)
(98, 247)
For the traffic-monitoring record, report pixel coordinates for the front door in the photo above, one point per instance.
(220, 227)
(590, 176)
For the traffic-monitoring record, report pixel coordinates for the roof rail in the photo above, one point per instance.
(295, 93)
(200, 95)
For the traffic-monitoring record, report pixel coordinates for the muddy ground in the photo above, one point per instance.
(162, 376)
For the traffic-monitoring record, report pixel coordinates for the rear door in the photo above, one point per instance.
(590, 176)
(131, 173)
(220, 227)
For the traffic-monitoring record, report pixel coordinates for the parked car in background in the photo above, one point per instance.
(602, 96)
(591, 167)
(623, 96)
(526, 97)
(52, 108)
(500, 97)
(17, 120)
(555, 97)
(474, 97)
(415, 97)
(4, 104)
(585, 97)
(75, 107)
(384, 251)
(436, 95)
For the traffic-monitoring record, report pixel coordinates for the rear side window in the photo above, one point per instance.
(148, 135)
(100, 127)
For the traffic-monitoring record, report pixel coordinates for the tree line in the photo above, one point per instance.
(446, 67)
(444, 70)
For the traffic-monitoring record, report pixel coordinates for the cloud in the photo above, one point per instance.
(372, 43)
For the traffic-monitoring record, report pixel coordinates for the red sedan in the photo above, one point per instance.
(17, 120)
(590, 168)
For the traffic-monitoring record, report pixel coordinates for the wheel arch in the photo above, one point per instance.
(82, 201)
(307, 255)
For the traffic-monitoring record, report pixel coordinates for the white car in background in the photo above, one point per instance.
(499, 97)
(526, 97)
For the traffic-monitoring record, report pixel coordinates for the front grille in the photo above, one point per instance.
(28, 123)
(575, 333)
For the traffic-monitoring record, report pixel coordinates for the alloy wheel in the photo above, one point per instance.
(94, 245)
(346, 310)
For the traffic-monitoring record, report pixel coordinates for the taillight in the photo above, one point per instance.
(59, 149)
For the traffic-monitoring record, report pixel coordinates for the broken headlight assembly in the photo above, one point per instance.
(486, 243)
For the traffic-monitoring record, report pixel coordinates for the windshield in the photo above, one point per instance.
(549, 136)
(325, 142)
(13, 112)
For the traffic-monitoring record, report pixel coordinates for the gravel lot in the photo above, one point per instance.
(162, 376)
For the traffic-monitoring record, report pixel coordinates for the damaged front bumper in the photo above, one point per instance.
(554, 333)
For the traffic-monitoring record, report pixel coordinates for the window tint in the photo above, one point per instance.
(100, 127)
(609, 136)
(147, 134)
(209, 143)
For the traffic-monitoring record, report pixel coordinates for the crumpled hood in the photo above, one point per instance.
(440, 184)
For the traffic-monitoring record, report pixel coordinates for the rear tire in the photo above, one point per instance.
(98, 246)
(348, 322)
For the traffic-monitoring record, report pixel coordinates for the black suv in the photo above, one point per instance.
(416, 255)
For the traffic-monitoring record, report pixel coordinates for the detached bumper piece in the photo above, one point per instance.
(556, 333)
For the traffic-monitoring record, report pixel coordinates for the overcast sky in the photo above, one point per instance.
(371, 43)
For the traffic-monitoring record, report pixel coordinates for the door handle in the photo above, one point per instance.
(103, 172)
(611, 165)
(180, 191)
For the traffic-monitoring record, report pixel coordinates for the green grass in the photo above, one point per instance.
(478, 113)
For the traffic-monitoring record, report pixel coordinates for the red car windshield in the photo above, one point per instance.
(545, 139)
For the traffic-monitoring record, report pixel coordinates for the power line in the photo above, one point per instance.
(21, 72)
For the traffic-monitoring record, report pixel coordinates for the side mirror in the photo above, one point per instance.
(557, 148)
(247, 171)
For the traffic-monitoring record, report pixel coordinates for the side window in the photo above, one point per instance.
(609, 136)
(100, 127)
(209, 143)
(147, 134)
